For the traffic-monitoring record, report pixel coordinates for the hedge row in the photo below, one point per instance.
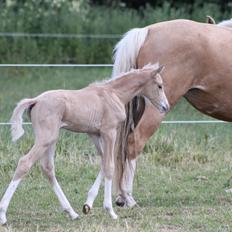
(77, 17)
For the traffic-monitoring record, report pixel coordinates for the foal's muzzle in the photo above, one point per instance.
(164, 107)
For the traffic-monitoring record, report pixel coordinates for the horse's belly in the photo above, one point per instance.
(217, 105)
(82, 127)
(87, 122)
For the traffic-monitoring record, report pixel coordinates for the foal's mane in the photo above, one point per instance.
(121, 75)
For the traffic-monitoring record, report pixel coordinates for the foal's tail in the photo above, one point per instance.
(17, 118)
(127, 50)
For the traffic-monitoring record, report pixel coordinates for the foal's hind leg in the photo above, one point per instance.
(46, 134)
(24, 165)
(48, 168)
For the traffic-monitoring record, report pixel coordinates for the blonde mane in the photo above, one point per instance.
(121, 75)
(225, 23)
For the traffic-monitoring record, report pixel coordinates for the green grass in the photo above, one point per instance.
(179, 184)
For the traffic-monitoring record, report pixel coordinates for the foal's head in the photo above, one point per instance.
(154, 89)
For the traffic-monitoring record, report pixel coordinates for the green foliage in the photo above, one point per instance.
(138, 4)
(78, 17)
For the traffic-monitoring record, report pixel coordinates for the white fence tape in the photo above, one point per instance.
(60, 36)
(164, 122)
(100, 65)
(57, 65)
(193, 122)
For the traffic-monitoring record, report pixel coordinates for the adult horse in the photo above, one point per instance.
(198, 63)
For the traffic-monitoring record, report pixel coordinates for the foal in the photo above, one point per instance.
(96, 110)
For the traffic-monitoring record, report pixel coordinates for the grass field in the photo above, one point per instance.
(179, 184)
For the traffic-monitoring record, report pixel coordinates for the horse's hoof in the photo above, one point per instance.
(74, 216)
(114, 216)
(3, 223)
(131, 203)
(86, 209)
(3, 219)
(120, 203)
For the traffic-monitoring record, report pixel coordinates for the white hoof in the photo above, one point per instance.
(111, 212)
(74, 215)
(71, 213)
(3, 219)
(114, 216)
(228, 190)
(130, 202)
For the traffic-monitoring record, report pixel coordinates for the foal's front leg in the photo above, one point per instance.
(108, 142)
(93, 192)
(105, 146)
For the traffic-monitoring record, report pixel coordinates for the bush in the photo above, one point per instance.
(78, 17)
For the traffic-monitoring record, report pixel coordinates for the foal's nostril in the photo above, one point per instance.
(165, 107)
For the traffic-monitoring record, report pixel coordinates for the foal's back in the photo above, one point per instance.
(88, 110)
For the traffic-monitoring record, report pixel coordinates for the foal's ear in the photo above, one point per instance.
(159, 70)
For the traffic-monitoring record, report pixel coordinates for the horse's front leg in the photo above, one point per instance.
(108, 144)
(92, 194)
(146, 127)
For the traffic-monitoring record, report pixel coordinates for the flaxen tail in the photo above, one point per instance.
(17, 118)
(127, 50)
(125, 58)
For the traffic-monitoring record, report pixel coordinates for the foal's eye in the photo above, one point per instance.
(160, 86)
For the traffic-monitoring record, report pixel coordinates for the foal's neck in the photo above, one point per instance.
(129, 86)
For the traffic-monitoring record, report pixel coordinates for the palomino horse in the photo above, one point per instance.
(97, 110)
(198, 63)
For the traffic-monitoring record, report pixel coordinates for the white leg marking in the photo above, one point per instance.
(6, 200)
(92, 194)
(63, 200)
(228, 190)
(108, 198)
(48, 168)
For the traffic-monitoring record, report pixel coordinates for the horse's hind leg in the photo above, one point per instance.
(46, 134)
(24, 165)
(48, 168)
(147, 125)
